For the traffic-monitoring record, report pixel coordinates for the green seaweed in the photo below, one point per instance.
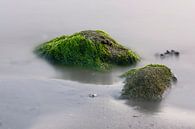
(147, 83)
(88, 49)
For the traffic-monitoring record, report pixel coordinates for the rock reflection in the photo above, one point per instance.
(148, 107)
(87, 76)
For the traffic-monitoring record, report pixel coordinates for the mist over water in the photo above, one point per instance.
(147, 27)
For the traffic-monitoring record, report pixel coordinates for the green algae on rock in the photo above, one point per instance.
(147, 83)
(93, 49)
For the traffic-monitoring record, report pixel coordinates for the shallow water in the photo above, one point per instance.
(148, 27)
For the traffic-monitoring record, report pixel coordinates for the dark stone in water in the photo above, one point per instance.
(174, 79)
(92, 95)
(172, 51)
(161, 55)
(177, 53)
(167, 52)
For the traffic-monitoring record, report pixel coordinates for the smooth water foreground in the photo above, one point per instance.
(37, 95)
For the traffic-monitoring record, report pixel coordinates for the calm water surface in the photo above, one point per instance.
(148, 27)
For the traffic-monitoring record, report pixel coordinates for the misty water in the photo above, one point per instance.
(37, 95)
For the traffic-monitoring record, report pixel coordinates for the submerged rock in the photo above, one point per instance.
(92, 49)
(147, 83)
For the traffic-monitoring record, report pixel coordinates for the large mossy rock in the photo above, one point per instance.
(147, 83)
(93, 49)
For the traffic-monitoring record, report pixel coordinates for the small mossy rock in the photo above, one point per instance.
(93, 49)
(147, 83)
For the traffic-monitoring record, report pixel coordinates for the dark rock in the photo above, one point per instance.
(172, 51)
(177, 53)
(136, 116)
(167, 52)
(161, 55)
(174, 78)
(92, 95)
